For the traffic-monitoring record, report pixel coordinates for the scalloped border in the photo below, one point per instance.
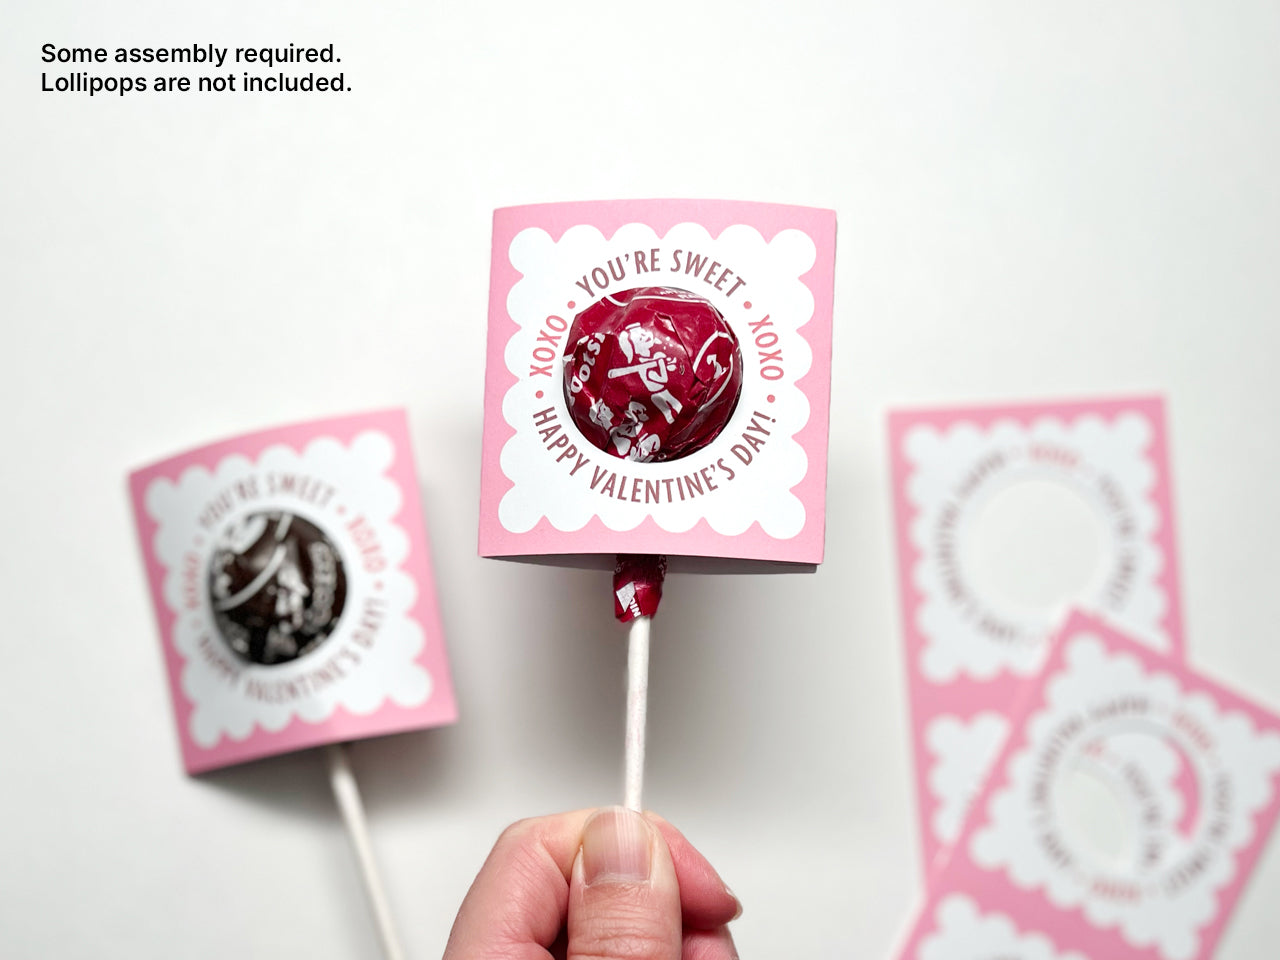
(1119, 647)
(1021, 934)
(965, 696)
(700, 540)
(1069, 928)
(440, 707)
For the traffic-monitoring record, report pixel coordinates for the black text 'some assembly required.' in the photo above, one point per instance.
(194, 68)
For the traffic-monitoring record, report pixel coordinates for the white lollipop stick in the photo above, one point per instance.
(347, 793)
(637, 703)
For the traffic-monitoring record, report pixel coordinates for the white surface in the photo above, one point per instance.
(1035, 200)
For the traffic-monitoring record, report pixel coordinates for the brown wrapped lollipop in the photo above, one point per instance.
(277, 587)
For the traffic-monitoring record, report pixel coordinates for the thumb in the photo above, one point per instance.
(624, 901)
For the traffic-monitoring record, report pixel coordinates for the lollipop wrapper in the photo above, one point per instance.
(652, 373)
(637, 586)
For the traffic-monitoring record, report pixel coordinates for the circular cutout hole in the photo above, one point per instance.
(1036, 545)
(1094, 817)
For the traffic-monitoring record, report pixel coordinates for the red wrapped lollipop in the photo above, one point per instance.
(650, 374)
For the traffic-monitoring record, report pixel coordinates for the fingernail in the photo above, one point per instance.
(616, 846)
(737, 902)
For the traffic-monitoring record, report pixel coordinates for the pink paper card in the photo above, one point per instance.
(757, 490)
(1005, 516)
(293, 590)
(1123, 817)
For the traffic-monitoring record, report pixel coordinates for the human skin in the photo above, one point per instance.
(606, 884)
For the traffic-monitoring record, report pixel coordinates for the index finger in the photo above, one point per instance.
(519, 899)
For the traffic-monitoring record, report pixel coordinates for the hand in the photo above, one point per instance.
(604, 884)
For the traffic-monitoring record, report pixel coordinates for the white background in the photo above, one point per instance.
(1036, 200)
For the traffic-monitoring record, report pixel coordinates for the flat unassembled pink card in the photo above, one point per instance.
(757, 490)
(1006, 515)
(1123, 817)
(292, 586)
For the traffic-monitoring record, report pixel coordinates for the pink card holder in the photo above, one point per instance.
(756, 491)
(293, 591)
(1122, 818)
(1005, 515)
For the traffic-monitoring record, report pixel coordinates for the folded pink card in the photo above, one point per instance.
(1006, 515)
(1122, 819)
(293, 591)
(572, 472)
